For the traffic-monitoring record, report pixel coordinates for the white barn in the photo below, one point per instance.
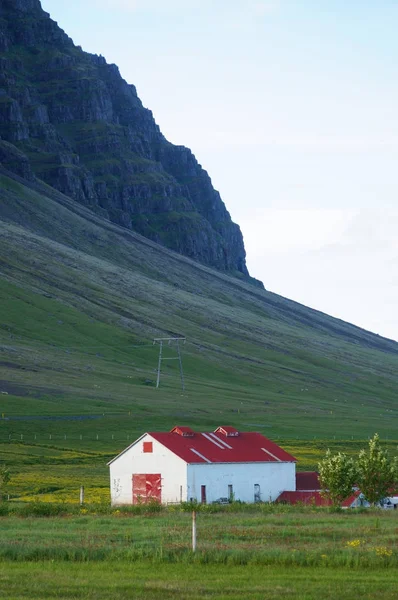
(183, 465)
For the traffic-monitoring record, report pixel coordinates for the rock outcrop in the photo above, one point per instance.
(70, 119)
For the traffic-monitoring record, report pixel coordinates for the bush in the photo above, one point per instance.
(44, 509)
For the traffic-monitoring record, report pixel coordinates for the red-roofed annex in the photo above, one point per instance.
(182, 465)
(308, 491)
(315, 498)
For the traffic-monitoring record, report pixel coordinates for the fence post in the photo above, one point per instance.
(81, 495)
(193, 531)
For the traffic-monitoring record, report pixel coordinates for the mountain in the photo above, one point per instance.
(83, 294)
(81, 300)
(68, 118)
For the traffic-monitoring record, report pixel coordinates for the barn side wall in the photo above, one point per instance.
(272, 477)
(172, 469)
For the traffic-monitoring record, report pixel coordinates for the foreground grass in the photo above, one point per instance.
(257, 535)
(257, 552)
(118, 581)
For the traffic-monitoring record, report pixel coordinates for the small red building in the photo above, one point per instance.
(308, 491)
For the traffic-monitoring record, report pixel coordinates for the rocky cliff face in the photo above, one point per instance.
(69, 118)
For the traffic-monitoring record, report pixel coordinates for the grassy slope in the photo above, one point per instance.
(81, 300)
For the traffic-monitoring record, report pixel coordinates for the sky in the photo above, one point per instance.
(290, 105)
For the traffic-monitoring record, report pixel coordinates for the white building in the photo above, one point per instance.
(183, 465)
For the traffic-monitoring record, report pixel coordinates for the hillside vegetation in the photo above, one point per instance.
(82, 299)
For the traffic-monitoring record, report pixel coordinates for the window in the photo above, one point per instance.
(203, 494)
(147, 447)
(257, 495)
(230, 493)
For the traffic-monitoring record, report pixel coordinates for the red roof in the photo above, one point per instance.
(227, 430)
(347, 503)
(224, 445)
(307, 481)
(182, 430)
(311, 498)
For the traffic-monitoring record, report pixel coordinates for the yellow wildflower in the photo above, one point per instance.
(354, 544)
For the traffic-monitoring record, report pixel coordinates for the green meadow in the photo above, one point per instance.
(252, 552)
(148, 581)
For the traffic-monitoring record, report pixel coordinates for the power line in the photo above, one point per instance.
(170, 340)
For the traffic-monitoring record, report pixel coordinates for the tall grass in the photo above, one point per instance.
(262, 535)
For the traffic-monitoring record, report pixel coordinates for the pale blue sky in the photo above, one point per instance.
(291, 108)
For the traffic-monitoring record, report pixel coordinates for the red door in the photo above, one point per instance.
(147, 488)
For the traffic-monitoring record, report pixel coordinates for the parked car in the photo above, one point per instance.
(389, 503)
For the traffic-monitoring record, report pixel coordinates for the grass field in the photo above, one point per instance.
(257, 552)
(53, 470)
(143, 580)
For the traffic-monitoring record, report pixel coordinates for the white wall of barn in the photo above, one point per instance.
(272, 477)
(173, 471)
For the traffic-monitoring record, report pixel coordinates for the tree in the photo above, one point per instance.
(377, 472)
(337, 474)
(5, 477)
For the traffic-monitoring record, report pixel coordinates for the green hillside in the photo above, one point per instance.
(81, 300)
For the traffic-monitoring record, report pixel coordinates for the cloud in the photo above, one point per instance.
(343, 262)
(373, 231)
(287, 230)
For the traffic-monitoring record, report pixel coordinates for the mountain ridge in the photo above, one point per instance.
(75, 123)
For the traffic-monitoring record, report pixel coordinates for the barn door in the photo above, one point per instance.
(154, 487)
(147, 487)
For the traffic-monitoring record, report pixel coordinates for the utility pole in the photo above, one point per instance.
(193, 531)
(159, 361)
(170, 341)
